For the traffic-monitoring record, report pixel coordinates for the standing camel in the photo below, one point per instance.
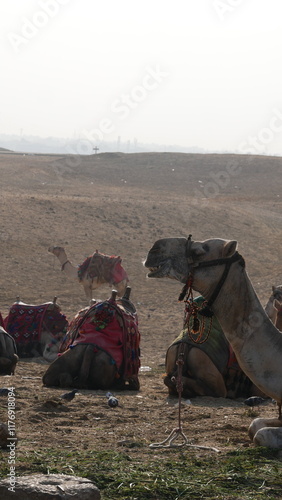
(94, 271)
(216, 270)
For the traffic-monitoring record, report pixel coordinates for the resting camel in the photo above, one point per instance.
(216, 270)
(216, 356)
(36, 329)
(8, 353)
(101, 348)
(94, 271)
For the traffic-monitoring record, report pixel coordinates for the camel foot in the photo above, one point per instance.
(133, 384)
(8, 365)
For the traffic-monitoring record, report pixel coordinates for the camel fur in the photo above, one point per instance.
(218, 273)
(8, 353)
(94, 271)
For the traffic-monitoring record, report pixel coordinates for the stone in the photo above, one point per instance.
(48, 487)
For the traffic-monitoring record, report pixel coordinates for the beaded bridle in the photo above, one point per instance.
(192, 309)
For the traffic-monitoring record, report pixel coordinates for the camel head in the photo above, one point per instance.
(176, 257)
(277, 294)
(56, 250)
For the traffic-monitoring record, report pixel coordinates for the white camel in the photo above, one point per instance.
(216, 270)
(94, 271)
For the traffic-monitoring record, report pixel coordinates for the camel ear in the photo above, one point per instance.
(229, 248)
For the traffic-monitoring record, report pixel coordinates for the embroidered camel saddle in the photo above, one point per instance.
(26, 322)
(111, 326)
(103, 267)
(220, 353)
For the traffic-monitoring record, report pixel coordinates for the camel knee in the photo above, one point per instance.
(187, 385)
(85, 367)
(50, 380)
(8, 365)
(133, 384)
(170, 382)
(271, 437)
(262, 423)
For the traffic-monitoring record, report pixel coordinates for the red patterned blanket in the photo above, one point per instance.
(109, 326)
(103, 266)
(25, 324)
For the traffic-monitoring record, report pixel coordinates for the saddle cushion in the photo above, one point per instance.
(24, 322)
(103, 266)
(216, 346)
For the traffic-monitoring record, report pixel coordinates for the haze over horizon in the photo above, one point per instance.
(201, 74)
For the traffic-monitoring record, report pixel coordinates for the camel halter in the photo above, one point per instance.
(187, 289)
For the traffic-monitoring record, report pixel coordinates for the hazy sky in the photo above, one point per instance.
(203, 73)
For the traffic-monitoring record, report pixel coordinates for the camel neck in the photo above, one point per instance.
(237, 306)
(255, 340)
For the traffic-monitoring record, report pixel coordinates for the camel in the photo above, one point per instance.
(101, 349)
(94, 271)
(8, 353)
(216, 270)
(36, 329)
(217, 357)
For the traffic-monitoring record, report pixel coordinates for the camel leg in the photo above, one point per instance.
(201, 377)
(85, 367)
(66, 380)
(120, 287)
(88, 291)
(7, 365)
(102, 372)
(63, 371)
(260, 423)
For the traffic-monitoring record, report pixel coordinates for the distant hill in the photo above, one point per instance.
(4, 150)
(57, 145)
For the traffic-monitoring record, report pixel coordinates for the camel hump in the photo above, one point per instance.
(19, 304)
(99, 266)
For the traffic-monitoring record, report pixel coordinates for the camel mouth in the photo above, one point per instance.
(278, 295)
(160, 271)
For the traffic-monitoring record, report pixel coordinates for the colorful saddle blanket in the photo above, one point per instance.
(216, 346)
(24, 323)
(112, 327)
(102, 266)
